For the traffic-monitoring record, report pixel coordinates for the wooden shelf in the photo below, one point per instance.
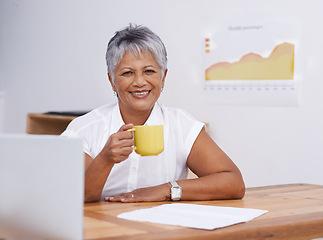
(49, 124)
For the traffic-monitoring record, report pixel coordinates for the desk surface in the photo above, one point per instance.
(295, 212)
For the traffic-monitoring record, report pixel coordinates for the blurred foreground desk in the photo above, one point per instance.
(295, 212)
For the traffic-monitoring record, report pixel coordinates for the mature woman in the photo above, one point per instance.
(137, 68)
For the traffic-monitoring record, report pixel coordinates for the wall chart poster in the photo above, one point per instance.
(251, 57)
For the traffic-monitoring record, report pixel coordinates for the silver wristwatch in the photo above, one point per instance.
(175, 191)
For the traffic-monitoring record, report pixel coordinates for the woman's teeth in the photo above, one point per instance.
(140, 93)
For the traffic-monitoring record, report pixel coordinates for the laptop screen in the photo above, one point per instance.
(41, 186)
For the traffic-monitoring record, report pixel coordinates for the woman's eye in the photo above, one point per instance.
(149, 71)
(126, 73)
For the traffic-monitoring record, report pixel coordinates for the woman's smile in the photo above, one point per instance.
(140, 94)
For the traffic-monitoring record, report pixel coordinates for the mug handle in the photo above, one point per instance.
(132, 130)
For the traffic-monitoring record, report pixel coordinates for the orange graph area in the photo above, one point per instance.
(278, 66)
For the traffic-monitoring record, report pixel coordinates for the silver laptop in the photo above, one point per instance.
(41, 187)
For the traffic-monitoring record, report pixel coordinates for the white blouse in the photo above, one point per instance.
(180, 132)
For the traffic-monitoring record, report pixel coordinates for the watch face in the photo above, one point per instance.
(176, 193)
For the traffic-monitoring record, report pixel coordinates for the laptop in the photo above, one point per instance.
(41, 187)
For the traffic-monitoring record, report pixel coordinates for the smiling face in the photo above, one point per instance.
(138, 81)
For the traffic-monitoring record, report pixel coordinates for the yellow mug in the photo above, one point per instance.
(149, 139)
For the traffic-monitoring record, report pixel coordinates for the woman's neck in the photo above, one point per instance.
(135, 117)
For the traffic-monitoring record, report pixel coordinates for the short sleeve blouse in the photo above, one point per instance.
(180, 133)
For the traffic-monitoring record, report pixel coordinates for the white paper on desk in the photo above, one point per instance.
(194, 215)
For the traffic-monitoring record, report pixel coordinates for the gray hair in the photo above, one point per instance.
(135, 39)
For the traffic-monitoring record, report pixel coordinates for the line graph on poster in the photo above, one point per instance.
(251, 58)
(254, 72)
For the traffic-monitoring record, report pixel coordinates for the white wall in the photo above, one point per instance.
(2, 95)
(52, 58)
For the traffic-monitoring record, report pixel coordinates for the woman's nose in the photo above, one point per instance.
(139, 80)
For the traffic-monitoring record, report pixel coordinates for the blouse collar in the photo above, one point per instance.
(155, 118)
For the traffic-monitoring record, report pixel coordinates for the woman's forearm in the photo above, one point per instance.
(95, 177)
(223, 185)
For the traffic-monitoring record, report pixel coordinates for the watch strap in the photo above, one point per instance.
(176, 191)
(174, 184)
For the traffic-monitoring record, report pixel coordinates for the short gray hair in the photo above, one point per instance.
(135, 39)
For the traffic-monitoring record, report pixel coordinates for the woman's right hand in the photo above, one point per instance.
(119, 145)
(117, 149)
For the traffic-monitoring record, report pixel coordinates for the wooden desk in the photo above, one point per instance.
(295, 212)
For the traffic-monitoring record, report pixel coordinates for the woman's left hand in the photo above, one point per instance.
(150, 194)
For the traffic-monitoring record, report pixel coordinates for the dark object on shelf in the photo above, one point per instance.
(68, 113)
